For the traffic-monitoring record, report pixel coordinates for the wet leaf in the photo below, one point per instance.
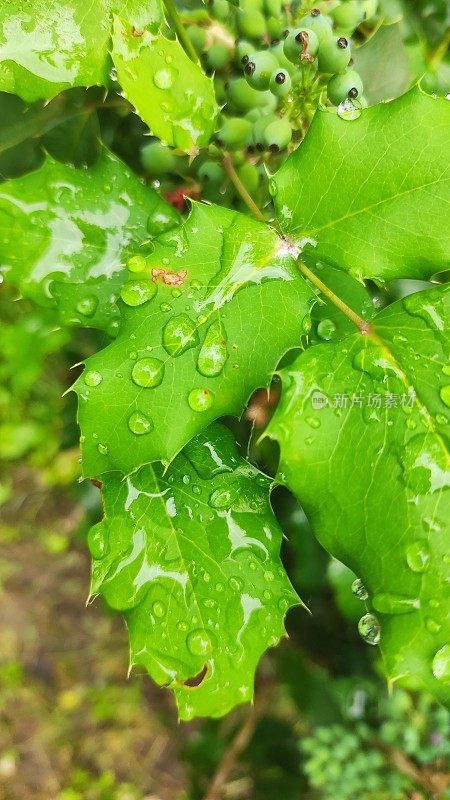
(65, 236)
(191, 556)
(48, 46)
(363, 427)
(169, 92)
(383, 64)
(370, 195)
(218, 302)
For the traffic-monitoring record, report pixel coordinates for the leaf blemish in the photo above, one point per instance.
(168, 277)
(196, 680)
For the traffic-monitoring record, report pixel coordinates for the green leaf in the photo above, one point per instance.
(191, 556)
(65, 235)
(220, 301)
(371, 195)
(383, 64)
(169, 92)
(381, 457)
(49, 46)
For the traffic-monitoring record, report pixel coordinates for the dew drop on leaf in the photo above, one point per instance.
(164, 78)
(432, 626)
(165, 307)
(425, 464)
(136, 263)
(200, 399)
(445, 395)
(213, 353)
(102, 449)
(98, 541)
(199, 643)
(180, 334)
(441, 664)
(139, 424)
(369, 629)
(159, 609)
(395, 603)
(137, 292)
(359, 590)
(223, 497)
(418, 556)
(93, 378)
(148, 372)
(88, 305)
(446, 369)
(326, 329)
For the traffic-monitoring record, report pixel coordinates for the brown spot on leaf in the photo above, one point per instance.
(168, 277)
(196, 680)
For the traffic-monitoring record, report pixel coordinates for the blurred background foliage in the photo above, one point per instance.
(72, 725)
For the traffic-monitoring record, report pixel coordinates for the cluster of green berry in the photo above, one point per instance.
(355, 763)
(272, 63)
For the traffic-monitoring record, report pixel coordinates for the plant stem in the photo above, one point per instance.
(435, 56)
(240, 188)
(185, 41)
(360, 323)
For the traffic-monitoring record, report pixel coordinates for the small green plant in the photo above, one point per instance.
(310, 198)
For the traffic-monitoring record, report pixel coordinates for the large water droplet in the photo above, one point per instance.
(159, 609)
(427, 309)
(180, 334)
(164, 78)
(349, 109)
(446, 369)
(148, 372)
(441, 664)
(224, 497)
(445, 395)
(87, 305)
(369, 629)
(200, 399)
(326, 329)
(425, 464)
(199, 643)
(395, 603)
(359, 589)
(92, 377)
(98, 540)
(139, 424)
(418, 556)
(273, 188)
(136, 292)
(213, 353)
(137, 263)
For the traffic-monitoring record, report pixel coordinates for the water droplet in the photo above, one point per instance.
(196, 285)
(180, 334)
(176, 292)
(441, 419)
(326, 329)
(136, 292)
(200, 399)
(313, 422)
(235, 584)
(269, 576)
(418, 556)
(186, 479)
(267, 595)
(411, 424)
(139, 424)
(159, 609)
(164, 78)
(427, 309)
(441, 664)
(148, 372)
(199, 643)
(432, 626)
(102, 449)
(219, 587)
(113, 74)
(359, 590)
(306, 324)
(224, 497)
(273, 188)
(349, 109)
(87, 305)
(213, 353)
(446, 369)
(369, 629)
(425, 465)
(283, 604)
(182, 626)
(395, 603)
(136, 263)
(98, 540)
(93, 378)
(445, 395)
(196, 489)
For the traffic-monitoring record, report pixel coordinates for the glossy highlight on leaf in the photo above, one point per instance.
(191, 556)
(170, 93)
(364, 437)
(47, 46)
(371, 195)
(66, 234)
(238, 306)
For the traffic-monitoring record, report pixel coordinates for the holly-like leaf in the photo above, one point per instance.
(65, 235)
(363, 429)
(383, 64)
(220, 301)
(169, 92)
(371, 195)
(47, 46)
(191, 556)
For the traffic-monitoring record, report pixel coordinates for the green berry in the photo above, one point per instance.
(197, 36)
(275, 27)
(220, 9)
(258, 69)
(235, 133)
(250, 4)
(249, 176)
(258, 130)
(300, 45)
(251, 23)
(157, 159)
(243, 96)
(278, 51)
(334, 55)
(348, 15)
(212, 173)
(319, 23)
(348, 85)
(277, 135)
(242, 49)
(280, 83)
(274, 8)
(217, 56)
(370, 8)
